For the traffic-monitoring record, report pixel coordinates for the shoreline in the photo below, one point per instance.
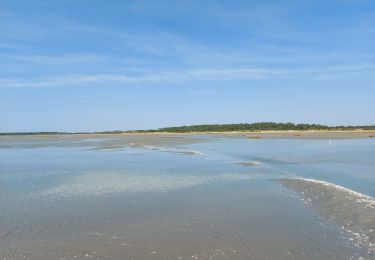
(262, 134)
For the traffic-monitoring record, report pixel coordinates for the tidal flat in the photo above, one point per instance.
(188, 196)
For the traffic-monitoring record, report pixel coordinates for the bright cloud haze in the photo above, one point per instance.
(103, 65)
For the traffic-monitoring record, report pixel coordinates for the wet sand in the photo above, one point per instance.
(99, 141)
(210, 222)
(176, 138)
(353, 211)
(211, 196)
(162, 141)
(248, 164)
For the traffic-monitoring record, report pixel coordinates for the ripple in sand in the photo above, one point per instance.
(165, 149)
(102, 183)
(248, 164)
(353, 211)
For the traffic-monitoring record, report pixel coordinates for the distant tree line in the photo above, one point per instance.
(261, 126)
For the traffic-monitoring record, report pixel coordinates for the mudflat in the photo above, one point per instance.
(187, 196)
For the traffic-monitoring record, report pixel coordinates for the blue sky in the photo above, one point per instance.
(86, 65)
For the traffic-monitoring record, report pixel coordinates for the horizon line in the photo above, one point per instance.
(170, 128)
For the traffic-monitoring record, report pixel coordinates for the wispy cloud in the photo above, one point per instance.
(208, 74)
(60, 59)
(81, 79)
(64, 80)
(246, 41)
(150, 40)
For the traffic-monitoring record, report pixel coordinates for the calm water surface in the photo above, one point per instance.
(186, 198)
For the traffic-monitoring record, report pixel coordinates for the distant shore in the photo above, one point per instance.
(258, 130)
(307, 134)
(262, 134)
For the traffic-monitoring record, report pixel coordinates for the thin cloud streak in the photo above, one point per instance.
(60, 59)
(212, 74)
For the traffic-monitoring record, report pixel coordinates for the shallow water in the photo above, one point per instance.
(186, 197)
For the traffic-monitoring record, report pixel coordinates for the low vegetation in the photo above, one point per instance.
(261, 126)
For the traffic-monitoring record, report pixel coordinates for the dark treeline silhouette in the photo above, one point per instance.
(261, 126)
